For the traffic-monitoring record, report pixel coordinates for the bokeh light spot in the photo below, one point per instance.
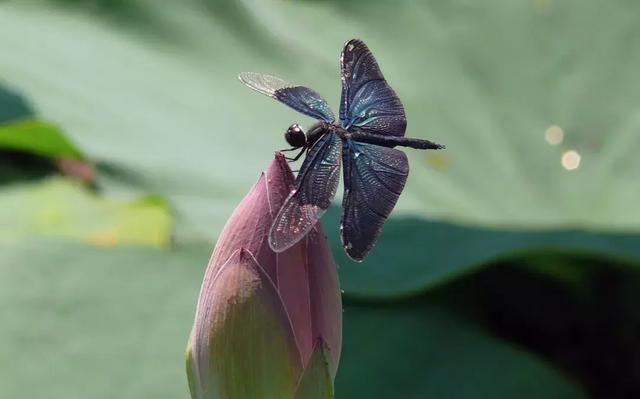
(571, 160)
(554, 135)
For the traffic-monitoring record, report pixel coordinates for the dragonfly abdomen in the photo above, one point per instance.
(394, 141)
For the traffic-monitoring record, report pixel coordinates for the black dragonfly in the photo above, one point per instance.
(372, 122)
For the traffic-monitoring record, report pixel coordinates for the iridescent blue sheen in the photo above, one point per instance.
(368, 103)
(307, 101)
(372, 122)
(374, 177)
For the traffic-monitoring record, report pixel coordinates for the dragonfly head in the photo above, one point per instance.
(295, 136)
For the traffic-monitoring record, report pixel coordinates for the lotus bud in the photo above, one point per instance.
(267, 325)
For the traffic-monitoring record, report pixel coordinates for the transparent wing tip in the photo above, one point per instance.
(245, 77)
(280, 244)
(262, 83)
(248, 78)
(276, 246)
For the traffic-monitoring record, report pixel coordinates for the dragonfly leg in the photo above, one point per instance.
(289, 149)
(296, 157)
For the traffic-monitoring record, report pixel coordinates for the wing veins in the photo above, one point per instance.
(315, 187)
(301, 98)
(326, 144)
(364, 84)
(380, 111)
(375, 175)
(368, 205)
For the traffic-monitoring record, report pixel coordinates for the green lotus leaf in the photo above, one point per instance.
(13, 106)
(62, 207)
(36, 137)
(538, 110)
(92, 322)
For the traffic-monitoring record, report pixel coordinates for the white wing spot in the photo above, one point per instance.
(350, 47)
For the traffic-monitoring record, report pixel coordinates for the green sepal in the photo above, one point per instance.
(242, 343)
(316, 381)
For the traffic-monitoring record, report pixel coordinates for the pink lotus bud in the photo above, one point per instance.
(267, 325)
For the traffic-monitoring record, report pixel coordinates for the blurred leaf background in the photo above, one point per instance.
(509, 268)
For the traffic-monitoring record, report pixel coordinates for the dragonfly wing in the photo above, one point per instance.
(315, 187)
(374, 177)
(300, 98)
(368, 103)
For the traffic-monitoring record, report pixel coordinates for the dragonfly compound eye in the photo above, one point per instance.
(295, 136)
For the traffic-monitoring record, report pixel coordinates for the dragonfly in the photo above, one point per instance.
(370, 124)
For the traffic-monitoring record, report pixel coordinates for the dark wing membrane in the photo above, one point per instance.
(300, 98)
(316, 185)
(368, 103)
(374, 177)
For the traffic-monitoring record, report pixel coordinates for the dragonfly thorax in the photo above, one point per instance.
(316, 131)
(321, 128)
